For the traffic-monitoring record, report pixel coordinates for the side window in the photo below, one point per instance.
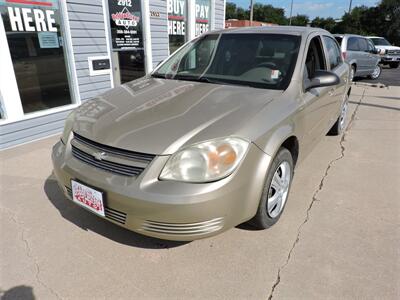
(315, 59)
(333, 50)
(352, 44)
(362, 44)
(371, 46)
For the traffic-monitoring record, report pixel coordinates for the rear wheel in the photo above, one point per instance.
(276, 191)
(376, 73)
(394, 65)
(338, 127)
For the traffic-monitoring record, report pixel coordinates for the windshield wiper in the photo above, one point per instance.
(155, 75)
(214, 81)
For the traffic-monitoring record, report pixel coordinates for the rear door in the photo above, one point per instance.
(374, 58)
(353, 53)
(341, 69)
(365, 56)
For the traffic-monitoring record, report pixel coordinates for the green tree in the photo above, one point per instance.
(324, 23)
(268, 13)
(300, 20)
(242, 14)
(230, 11)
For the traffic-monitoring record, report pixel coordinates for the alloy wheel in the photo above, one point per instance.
(279, 189)
(376, 73)
(352, 71)
(343, 113)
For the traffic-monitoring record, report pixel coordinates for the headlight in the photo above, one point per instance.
(207, 161)
(69, 122)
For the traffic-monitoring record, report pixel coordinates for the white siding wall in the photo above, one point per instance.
(219, 14)
(86, 20)
(159, 30)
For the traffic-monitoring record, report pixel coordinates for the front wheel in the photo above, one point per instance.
(376, 73)
(275, 192)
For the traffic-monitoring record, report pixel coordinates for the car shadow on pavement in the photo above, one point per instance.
(88, 221)
(18, 292)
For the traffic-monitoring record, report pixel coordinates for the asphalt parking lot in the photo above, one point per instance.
(389, 77)
(339, 237)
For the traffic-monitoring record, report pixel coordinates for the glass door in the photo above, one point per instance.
(126, 31)
(34, 35)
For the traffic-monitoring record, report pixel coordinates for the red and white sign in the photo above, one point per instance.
(88, 197)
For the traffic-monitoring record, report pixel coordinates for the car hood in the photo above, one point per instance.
(159, 116)
(388, 47)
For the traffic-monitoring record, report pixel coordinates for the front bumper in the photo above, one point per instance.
(166, 209)
(390, 58)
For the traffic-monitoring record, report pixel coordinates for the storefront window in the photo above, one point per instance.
(35, 42)
(177, 16)
(203, 17)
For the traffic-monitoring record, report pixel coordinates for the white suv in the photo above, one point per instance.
(390, 55)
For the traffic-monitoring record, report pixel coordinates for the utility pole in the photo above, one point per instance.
(291, 9)
(350, 6)
(251, 12)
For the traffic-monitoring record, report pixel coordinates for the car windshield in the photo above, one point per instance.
(380, 42)
(256, 60)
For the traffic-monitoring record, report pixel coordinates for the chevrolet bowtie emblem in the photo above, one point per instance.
(100, 155)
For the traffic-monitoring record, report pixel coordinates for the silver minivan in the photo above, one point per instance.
(361, 55)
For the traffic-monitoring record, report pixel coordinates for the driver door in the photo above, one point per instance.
(315, 101)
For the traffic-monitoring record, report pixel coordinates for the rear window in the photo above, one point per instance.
(339, 39)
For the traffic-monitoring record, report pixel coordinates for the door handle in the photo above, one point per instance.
(331, 92)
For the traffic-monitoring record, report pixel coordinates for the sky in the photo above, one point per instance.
(312, 8)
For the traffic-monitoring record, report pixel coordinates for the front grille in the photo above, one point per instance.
(106, 165)
(184, 228)
(112, 150)
(129, 163)
(394, 52)
(112, 214)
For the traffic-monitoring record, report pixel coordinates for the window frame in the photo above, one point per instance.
(327, 52)
(303, 63)
(11, 100)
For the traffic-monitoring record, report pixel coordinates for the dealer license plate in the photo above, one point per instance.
(88, 197)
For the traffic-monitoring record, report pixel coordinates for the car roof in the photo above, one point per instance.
(375, 37)
(347, 35)
(274, 29)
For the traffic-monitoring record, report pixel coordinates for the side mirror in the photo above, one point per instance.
(321, 79)
(375, 51)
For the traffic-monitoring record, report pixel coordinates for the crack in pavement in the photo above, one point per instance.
(13, 218)
(314, 197)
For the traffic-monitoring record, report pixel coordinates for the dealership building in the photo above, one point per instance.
(55, 54)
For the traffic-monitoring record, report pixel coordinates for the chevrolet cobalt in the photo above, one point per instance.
(211, 137)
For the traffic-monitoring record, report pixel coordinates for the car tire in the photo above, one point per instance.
(275, 192)
(352, 73)
(340, 123)
(394, 65)
(376, 73)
